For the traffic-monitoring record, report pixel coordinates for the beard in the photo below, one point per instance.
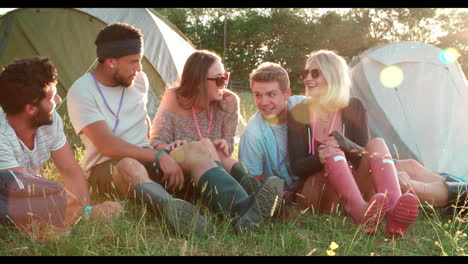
(120, 81)
(42, 118)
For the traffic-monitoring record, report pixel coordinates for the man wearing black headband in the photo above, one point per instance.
(107, 108)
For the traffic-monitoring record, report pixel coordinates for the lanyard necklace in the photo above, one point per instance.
(209, 123)
(278, 154)
(107, 105)
(311, 142)
(41, 171)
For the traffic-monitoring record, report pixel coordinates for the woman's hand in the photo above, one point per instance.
(327, 150)
(176, 144)
(221, 146)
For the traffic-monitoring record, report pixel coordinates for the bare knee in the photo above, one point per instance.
(129, 172)
(209, 147)
(410, 164)
(377, 148)
(206, 142)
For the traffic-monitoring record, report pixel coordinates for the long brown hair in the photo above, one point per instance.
(192, 85)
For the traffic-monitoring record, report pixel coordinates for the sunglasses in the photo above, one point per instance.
(315, 73)
(221, 80)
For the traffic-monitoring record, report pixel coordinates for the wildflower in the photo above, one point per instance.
(446, 225)
(464, 234)
(333, 245)
(436, 243)
(449, 221)
(331, 253)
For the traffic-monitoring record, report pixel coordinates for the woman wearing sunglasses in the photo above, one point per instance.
(330, 150)
(201, 109)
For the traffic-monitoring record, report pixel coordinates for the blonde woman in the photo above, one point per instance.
(329, 148)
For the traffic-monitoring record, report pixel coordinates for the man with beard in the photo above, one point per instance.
(31, 132)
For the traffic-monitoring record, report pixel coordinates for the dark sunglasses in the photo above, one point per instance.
(221, 80)
(315, 73)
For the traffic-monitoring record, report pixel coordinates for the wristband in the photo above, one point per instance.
(87, 211)
(156, 158)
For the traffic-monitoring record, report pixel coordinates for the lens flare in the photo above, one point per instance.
(449, 55)
(391, 76)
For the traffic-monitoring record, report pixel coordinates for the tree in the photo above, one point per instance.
(286, 35)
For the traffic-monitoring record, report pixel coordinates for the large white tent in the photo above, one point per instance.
(426, 116)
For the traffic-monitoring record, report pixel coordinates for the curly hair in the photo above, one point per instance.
(25, 81)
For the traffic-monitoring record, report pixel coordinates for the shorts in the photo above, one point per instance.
(100, 177)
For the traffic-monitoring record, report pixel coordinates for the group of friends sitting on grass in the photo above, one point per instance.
(296, 152)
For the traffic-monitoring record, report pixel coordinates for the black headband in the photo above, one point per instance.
(117, 49)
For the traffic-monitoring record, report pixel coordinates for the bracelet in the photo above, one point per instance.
(156, 158)
(87, 211)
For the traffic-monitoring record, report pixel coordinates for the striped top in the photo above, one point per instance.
(14, 153)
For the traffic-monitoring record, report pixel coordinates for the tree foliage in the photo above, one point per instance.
(246, 37)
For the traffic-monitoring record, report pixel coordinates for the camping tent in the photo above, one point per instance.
(426, 116)
(66, 35)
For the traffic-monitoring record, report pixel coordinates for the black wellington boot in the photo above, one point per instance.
(226, 195)
(182, 215)
(457, 195)
(247, 181)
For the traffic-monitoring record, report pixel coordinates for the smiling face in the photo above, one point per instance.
(215, 92)
(314, 87)
(270, 101)
(126, 68)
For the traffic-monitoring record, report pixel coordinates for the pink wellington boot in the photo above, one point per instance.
(367, 215)
(403, 209)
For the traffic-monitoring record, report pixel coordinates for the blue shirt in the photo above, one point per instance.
(258, 149)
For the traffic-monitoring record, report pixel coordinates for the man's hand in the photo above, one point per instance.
(172, 172)
(222, 146)
(106, 210)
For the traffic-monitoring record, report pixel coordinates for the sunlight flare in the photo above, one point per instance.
(449, 55)
(391, 76)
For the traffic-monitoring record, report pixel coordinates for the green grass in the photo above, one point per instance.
(138, 232)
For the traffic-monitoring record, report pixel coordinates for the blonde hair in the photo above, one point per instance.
(335, 70)
(269, 71)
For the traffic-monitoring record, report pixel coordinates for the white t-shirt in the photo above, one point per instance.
(86, 106)
(14, 153)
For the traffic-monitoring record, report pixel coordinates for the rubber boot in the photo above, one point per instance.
(457, 196)
(367, 215)
(403, 209)
(247, 181)
(226, 195)
(182, 215)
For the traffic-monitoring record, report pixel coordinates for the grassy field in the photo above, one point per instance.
(140, 233)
